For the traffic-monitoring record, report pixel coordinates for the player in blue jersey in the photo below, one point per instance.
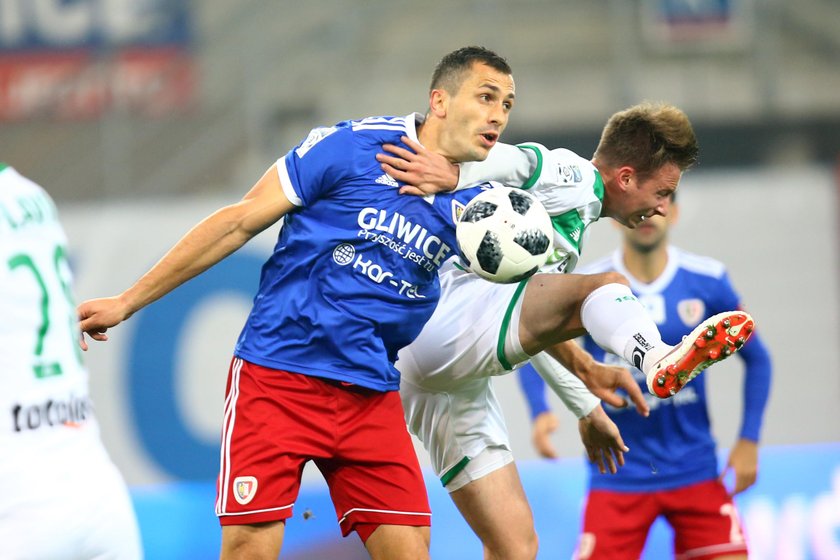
(352, 279)
(481, 329)
(672, 470)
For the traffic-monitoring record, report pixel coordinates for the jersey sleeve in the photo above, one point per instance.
(757, 365)
(567, 182)
(571, 390)
(533, 388)
(506, 164)
(757, 377)
(310, 170)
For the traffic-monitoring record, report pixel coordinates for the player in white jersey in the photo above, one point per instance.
(62, 497)
(487, 329)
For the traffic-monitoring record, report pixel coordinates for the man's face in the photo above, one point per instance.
(477, 114)
(646, 197)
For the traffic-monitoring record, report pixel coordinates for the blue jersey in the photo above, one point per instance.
(353, 276)
(674, 445)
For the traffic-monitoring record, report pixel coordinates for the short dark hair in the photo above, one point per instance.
(646, 137)
(449, 73)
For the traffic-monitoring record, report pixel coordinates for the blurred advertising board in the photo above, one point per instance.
(77, 60)
(697, 25)
(792, 513)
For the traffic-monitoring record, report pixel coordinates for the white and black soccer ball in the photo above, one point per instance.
(505, 235)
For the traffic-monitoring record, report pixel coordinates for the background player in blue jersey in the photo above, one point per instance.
(352, 279)
(672, 470)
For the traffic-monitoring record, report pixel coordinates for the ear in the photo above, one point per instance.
(439, 102)
(625, 176)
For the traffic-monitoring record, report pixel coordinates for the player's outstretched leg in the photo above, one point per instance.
(712, 341)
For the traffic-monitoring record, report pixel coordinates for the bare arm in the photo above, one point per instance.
(210, 241)
(601, 379)
(545, 424)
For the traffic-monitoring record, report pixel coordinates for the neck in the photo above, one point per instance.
(646, 266)
(428, 134)
(431, 134)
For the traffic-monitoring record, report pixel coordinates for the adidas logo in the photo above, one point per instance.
(387, 180)
(575, 234)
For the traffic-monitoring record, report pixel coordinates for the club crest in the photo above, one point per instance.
(244, 489)
(457, 210)
(691, 311)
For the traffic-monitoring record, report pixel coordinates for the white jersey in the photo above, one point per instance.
(42, 381)
(473, 334)
(62, 495)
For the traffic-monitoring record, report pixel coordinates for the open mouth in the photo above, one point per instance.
(640, 220)
(490, 137)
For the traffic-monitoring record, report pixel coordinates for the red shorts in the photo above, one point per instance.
(704, 519)
(276, 421)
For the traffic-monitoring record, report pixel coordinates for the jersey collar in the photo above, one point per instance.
(658, 285)
(412, 121)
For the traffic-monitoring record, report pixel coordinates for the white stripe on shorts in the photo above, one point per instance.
(343, 517)
(227, 432)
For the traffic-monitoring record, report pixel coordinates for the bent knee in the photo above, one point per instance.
(611, 277)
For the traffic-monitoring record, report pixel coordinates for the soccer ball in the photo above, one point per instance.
(505, 235)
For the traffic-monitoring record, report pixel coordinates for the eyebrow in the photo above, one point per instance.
(497, 90)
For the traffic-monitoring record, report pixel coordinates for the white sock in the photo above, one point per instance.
(619, 323)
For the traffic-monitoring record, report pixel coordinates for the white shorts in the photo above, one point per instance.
(447, 371)
(489, 460)
(63, 497)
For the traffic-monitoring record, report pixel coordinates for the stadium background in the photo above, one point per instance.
(141, 116)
